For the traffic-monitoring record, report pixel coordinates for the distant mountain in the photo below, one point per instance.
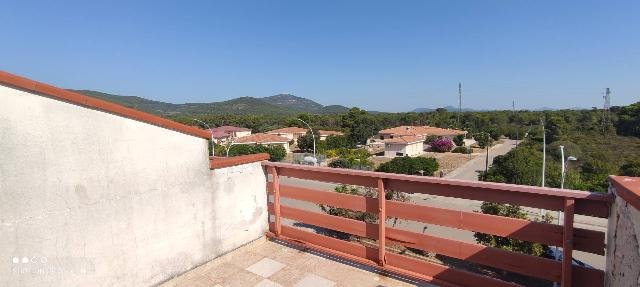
(138, 103)
(293, 102)
(448, 108)
(334, 109)
(278, 104)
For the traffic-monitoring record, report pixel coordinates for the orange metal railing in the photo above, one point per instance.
(566, 236)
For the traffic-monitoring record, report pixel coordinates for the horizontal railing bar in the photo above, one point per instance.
(336, 223)
(536, 200)
(592, 204)
(332, 243)
(341, 200)
(462, 278)
(577, 194)
(507, 260)
(550, 234)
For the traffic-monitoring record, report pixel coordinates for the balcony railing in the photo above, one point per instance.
(568, 237)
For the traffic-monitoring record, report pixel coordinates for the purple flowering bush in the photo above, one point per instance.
(442, 145)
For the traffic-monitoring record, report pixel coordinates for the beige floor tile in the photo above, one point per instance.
(289, 275)
(246, 259)
(267, 283)
(219, 273)
(265, 267)
(312, 280)
(242, 278)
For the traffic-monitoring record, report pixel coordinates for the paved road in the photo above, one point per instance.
(469, 170)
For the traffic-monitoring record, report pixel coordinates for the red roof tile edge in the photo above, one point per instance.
(89, 102)
(222, 162)
(628, 188)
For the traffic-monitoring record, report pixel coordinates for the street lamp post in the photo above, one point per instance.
(563, 172)
(544, 155)
(312, 137)
(213, 144)
(565, 162)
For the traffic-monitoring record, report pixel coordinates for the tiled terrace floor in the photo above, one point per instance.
(266, 263)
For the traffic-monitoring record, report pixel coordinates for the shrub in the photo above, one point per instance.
(410, 165)
(340, 163)
(512, 211)
(460, 149)
(631, 168)
(331, 153)
(459, 140)
(442, 145)
(430, 139)
(276, 152)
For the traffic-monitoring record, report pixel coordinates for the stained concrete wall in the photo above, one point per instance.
(89, 198)
(623, 244)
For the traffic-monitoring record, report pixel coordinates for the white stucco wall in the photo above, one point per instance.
(413, 149)
(95, 199)
(623, 244)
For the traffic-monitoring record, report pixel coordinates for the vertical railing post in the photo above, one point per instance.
(275, 180)
(382, 217)
(567, 242)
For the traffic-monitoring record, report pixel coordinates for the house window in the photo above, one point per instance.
(399, 154)
(381, 137)
(391, 136)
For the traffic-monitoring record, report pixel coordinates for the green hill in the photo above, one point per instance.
(278, 104)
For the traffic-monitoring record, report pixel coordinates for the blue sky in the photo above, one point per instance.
(378, 55)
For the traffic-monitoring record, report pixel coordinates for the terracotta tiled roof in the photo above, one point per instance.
(261, 138)
(420, 131)
(330, 133)
(219, 134)
(228, 129)
(403, 140)
(289, 130)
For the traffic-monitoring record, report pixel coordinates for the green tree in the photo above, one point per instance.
(337, 142)
(459, 140)
(305, 142)
(629, 120)
(631, 168)
(276, 152)
(359, 125)
(483, 139)
(410, 165)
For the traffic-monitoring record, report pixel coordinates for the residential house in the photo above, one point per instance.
(264, 139)
(324, 134)
(291, 133)
(403, 146)
(418, 131)
(223, 133)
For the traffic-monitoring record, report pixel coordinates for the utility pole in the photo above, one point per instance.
(544, 157)
(515, 119)
(459, 103)
(544, 151)
(486, 164)
(605, 110)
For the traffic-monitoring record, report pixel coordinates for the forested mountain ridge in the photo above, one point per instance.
(284, 104)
